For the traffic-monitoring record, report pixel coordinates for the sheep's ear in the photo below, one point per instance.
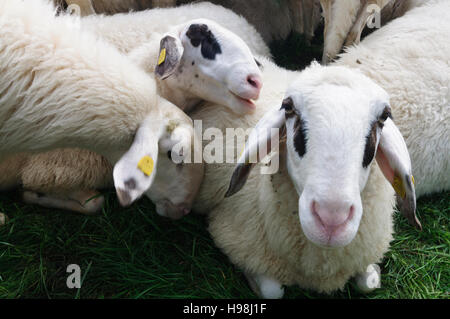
(135, 172)
(395, 163)
(170, 52)
(258, 145)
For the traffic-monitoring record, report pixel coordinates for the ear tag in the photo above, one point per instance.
(162, 56)
(398, 186)
(413, 181)
(146, 165)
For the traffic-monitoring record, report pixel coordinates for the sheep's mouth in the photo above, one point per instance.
(247, 102)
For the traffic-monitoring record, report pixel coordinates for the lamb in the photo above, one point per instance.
(345, 20)
(258, 227)
(40, 88)
(68, 178)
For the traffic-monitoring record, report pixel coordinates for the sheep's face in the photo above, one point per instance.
(207, 62)
(337, 121)
(331, 140)
(175, 187)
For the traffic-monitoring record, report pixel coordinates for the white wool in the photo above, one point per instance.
(40, 89)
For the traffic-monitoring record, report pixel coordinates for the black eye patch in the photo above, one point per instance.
(369, 150)
(300, 136)
(201, 35)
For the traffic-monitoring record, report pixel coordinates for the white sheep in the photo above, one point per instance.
(75, 91)
(345, 20)
(61, 175)
(325, 164)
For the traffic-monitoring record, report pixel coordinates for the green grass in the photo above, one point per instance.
(134, 253)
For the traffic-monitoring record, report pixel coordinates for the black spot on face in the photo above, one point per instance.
(201, 35)
(300, 136)
(130, 184)
(369, 150)
(258, 63)
(299, 126)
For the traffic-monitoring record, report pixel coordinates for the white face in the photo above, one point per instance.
(208, 62)
(175, 187)
(331, 140)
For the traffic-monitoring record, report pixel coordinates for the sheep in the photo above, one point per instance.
(345, 20)
(338, 134)
(60, 175)
(40, 88)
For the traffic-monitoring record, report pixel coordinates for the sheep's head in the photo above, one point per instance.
(336, 121)
(208, 62)
(159, 163)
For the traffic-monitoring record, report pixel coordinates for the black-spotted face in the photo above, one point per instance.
(212, 64)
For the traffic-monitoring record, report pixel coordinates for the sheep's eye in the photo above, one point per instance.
(383, 117)
(258, 64)
(288, 106)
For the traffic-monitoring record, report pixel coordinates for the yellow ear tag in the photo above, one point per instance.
(146, 165)
(414, 182)
(162, 56)
(398, 187)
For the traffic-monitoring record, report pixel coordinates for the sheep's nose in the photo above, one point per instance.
(332, 215)
(255, 81)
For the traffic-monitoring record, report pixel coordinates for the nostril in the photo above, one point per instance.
(254, 81)
(332, 214)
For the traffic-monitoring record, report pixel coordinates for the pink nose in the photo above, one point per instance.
(255, 82)
(332, 215)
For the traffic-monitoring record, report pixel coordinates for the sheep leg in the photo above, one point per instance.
(265, 287)
(85, 202)
(369, 280)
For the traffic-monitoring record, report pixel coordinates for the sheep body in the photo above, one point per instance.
(258, 228)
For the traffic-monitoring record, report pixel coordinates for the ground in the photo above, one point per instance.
(134, 253)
